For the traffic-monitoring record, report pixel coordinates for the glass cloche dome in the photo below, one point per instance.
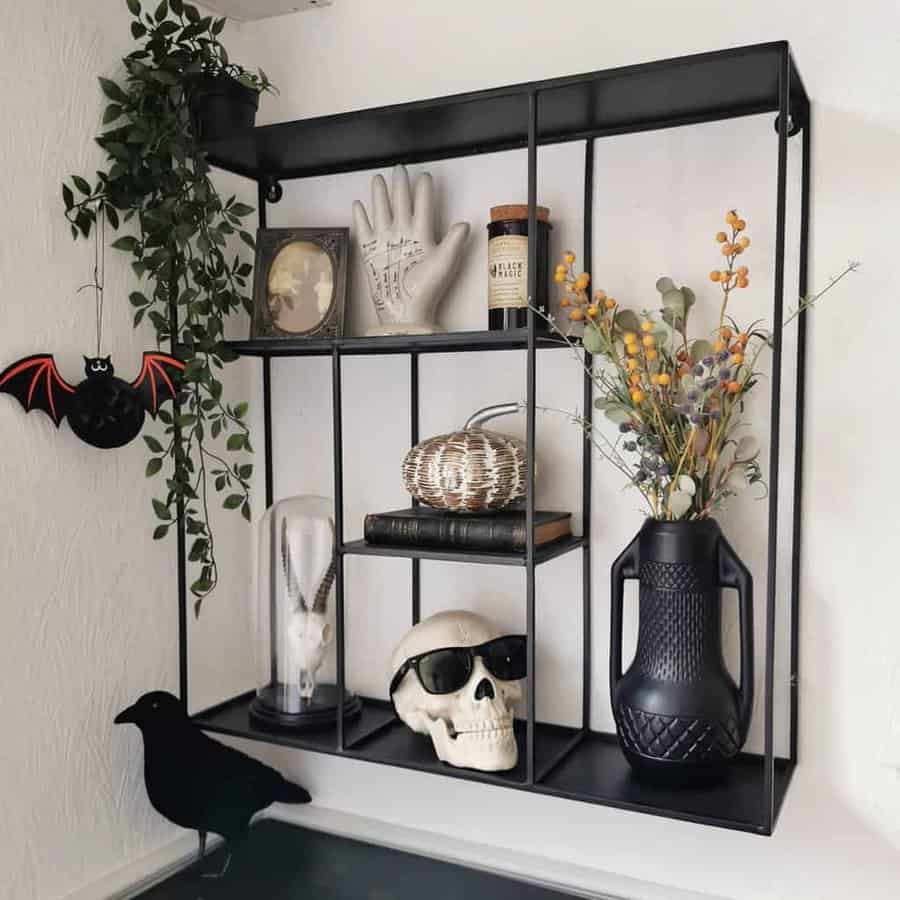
(294, 616)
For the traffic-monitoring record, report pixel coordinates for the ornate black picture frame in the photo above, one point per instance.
(300, 282)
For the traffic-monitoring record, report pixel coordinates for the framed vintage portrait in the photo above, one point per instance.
(300, 286)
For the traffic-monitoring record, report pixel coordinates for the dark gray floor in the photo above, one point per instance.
(283, 861)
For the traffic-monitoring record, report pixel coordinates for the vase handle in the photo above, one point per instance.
(734, 574)
(625, 566)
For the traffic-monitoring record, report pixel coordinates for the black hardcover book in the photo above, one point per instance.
(501, 531)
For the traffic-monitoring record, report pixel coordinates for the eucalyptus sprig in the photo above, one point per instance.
(157, 183)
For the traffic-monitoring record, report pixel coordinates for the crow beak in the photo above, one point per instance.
(127, 715)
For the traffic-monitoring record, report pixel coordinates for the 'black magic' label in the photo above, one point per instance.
(508, 272)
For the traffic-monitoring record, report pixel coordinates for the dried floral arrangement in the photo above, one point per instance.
(678, 400)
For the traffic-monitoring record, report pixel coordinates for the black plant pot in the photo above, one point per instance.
(679, 715)
(221, 106)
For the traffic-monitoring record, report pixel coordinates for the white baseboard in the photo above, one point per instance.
(579, 881)
(143, 873)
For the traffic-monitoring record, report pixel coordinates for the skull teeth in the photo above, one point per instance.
(485, 727)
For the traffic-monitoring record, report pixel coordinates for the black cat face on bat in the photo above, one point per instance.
(98, 366)
(103, 410)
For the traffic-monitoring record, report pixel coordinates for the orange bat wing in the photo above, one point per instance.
(36, 383)
(158, 380)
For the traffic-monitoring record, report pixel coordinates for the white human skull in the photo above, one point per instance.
(472, 728)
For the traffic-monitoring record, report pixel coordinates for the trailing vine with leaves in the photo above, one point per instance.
(157, 181)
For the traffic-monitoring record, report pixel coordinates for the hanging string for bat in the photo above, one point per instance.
(99, 272)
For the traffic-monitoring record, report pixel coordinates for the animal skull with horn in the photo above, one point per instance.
(308, 632)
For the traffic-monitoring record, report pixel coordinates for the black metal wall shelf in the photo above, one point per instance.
(574, 763)
(541, 554)
(571, 763)
(683, 91)
(451, 342)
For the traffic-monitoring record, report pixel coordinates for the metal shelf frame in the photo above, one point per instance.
(576, 763)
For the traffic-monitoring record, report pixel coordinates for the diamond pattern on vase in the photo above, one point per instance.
(671, 639)
(676, 738)
(669, 576)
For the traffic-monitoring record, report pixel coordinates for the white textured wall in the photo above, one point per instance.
(88, 611)
(88, 616)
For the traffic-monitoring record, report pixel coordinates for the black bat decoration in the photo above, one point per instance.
(102, 410)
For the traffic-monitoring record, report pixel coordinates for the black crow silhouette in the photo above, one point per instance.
(197, 782)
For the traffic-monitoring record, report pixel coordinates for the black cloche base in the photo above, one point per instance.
(309, 715)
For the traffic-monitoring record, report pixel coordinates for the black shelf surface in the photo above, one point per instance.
(233, 718)
(448, 342)
(682, 91)
(597, 771)
(397, 745)
(575, 765)
(541, 555)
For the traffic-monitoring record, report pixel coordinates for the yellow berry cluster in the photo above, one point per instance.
(733, 277)
(737, 348)
(651, 373)
(640, 355)
(731, 248)
(576, 299)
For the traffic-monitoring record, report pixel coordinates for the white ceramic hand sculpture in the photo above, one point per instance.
(407, 271)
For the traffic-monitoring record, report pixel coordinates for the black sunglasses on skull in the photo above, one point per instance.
(447, 669)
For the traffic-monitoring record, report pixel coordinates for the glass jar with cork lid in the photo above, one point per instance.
(508, 266)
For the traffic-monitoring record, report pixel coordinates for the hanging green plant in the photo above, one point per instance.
(157, 182)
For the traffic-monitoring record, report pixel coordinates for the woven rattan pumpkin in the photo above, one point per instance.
(472, 470)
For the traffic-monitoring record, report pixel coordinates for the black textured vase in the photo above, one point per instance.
(679, 715)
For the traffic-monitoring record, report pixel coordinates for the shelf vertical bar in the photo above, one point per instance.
(413, 440)
(338, 462)
(586, 453)
(797, 540)
(784, 93)
(530, 371)
(267, 379)
(179, 523)
(267, 430)
(267, 460)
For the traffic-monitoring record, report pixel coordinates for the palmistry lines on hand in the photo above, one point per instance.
(406, 270)
(387, 264)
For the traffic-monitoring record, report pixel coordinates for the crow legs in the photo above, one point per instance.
(222, 871)
(201, 855)
(236, 848)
